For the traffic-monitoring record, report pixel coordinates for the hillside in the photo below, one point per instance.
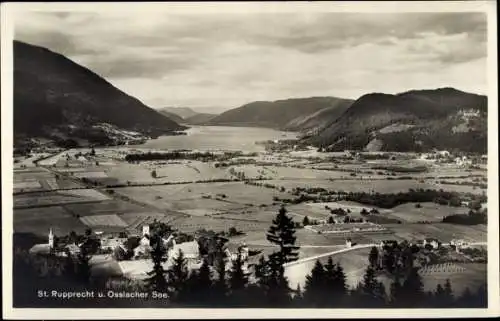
(183, 112)
(178, 119)
(443, 118)
(281, 114)
(200, 119)
(58, 99)
(320, 119)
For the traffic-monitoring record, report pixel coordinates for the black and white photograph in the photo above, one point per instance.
(286, 156)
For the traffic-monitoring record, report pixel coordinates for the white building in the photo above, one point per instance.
(434, 243)
(44, 248)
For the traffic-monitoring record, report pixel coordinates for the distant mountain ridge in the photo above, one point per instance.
(56, 97)
(416, 120)
(183, 112)
(288, 114)
(200, 119)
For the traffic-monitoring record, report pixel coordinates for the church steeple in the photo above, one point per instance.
(51, 239)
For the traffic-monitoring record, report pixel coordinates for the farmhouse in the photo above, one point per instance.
(463, 161)
(434, 243)
(191, 250)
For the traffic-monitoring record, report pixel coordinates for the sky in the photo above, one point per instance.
(227, 60)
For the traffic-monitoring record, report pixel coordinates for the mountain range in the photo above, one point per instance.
(57, 98)
(289, 114)
(417, 120)
(187, 115)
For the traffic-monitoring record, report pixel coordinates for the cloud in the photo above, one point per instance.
(230, 59)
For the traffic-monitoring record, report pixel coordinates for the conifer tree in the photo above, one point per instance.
(200, 285)
(466, 300)
(412, 292)
(238, 281)
(282, 233)
(299, 296)
(481, 297)
(272, 283)
(83, 271)
(335, 284)
(315, 294)
(438, 296)
(396, 289)
(372, 292)
(448, 294)
(156, 280)
(177, 277)
(279, 290)
(220, 284)
(373, 257)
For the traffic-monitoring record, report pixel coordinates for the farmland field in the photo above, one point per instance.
(172, 172)
(442, 231)
(57, 198)
(428, 212)
(282, 172)
(103, 207)
(103, 220)
(40, 220)
(136, 220)
(235, 192)
(354, 185)
(188, 224)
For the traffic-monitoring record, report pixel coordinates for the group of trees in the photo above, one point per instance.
(325, 286)
(216, 285)
(184, 154)
(472, 218)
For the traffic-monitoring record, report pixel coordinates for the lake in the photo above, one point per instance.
(219, 138)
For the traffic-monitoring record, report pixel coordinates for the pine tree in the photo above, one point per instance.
(156, 280)
(220, 284)
(372, 292)
(299, 296)
(443, 296)
(396, 289)
(438, 297)
(238, 281)
(373, 257)
(448, 294)
(412, 291)
(200, 285)
(481, 297)
(177, 277)
(272, 282)
(466, 300)
(282, 233)
(341, 281)
(315, 288)
(83, 271)
(335, 284)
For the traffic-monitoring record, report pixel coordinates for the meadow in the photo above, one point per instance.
(57, 198)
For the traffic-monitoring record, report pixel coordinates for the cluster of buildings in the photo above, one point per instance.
(461, 161)
(135, 260)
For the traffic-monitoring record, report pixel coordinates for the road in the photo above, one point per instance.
(315, 257)
(356, 247)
